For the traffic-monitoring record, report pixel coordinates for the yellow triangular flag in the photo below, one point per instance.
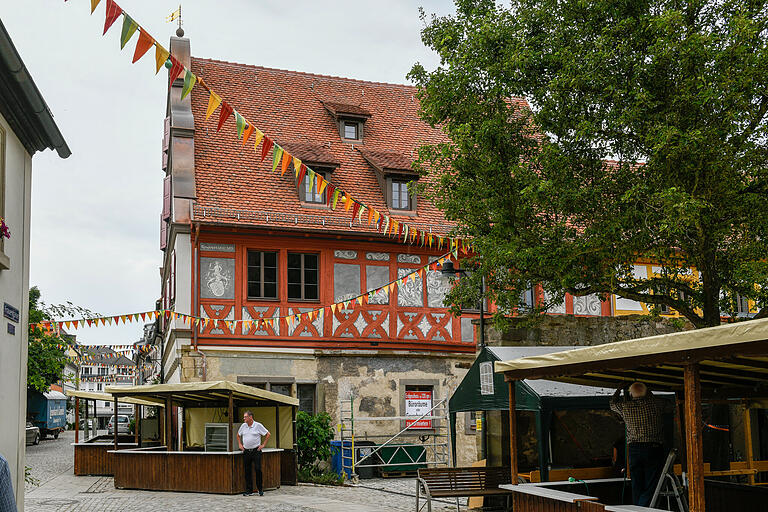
(161, 55)
(214, 100)
(296, 166)
(257, 138)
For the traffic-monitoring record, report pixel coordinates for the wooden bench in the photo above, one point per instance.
(461, 482)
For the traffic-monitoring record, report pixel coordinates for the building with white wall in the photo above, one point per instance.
(26, 127)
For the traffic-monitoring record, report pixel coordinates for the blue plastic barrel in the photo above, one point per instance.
(336, 457)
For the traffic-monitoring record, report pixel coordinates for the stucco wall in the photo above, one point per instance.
(376, 380)
(14, 290)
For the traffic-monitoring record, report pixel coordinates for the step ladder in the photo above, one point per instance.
(669, 485)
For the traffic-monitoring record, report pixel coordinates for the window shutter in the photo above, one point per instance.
(166, 197)
(163, 233)
(166, 133)
(173, 276)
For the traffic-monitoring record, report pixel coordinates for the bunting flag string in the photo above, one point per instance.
(204, 322)
(280, 156)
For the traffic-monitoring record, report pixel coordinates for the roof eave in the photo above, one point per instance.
(22, 104)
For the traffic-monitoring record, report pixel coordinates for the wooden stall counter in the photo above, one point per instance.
(192, 471)
(94, 457)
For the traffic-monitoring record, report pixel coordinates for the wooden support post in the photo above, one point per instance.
(77, 419)
(159, 414)
(168, 425)
(512, 432)
(694, 438)
(277, 426)
(230, 441)
(136, 424)
(115, 427)
(748, 442)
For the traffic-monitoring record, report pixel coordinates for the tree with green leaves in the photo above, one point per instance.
(45, 357)
(587, 135)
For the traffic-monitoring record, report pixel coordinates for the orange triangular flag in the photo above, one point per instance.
(247, 133)
(286, 160)
(94, 3)
(144, 43)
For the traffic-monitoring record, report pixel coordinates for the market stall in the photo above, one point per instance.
(93, 454)
(551, 405)
(728, 364)
(200, 451)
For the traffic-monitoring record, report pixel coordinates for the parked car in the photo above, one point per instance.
(123, 424)
(33, 434)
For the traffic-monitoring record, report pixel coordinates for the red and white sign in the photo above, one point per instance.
(418, 403)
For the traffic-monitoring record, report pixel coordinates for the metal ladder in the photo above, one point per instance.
(670, 486)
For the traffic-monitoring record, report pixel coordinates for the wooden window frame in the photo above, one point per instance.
(342, 128)
(403, 181)
(302, 284)
(261, 277)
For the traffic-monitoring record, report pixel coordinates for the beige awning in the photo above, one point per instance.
(201, 392)
(93, 395)
(733, 360)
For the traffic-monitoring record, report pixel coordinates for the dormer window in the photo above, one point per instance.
(394, 173)
(350, 119)
(351, 130)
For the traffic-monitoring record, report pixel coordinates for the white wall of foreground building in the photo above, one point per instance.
(16, 164)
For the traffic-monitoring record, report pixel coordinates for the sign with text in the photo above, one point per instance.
(10, 312)
(418, 403)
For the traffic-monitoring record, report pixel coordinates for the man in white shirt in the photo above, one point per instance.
(249, 439)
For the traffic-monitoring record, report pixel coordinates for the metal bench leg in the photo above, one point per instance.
(418, 493)
(457, 504)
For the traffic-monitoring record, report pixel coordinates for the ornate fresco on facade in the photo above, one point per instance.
(217, 278)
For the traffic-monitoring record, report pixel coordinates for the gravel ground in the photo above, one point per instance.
(60, 491)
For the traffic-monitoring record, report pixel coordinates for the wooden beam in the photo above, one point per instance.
(230, 441)
(77, 419)
(512, 433)
(693, 438)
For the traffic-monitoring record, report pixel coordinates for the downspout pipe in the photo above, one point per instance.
(196, 294)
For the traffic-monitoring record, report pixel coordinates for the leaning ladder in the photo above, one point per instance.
(669, 485)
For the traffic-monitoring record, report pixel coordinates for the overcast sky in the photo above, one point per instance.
(95, 215)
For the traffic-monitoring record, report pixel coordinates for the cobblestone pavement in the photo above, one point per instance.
(61, 491)
(50, 458)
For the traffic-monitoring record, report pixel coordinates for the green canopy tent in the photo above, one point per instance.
(484, 390)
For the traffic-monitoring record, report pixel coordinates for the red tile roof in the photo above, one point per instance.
(311, 153)
(233, 186)
(346, 108)
(386, 159)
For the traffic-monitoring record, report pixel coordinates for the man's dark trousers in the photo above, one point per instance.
(252, 457)
(646, 460)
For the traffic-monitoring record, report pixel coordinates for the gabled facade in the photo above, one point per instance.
(242, 242)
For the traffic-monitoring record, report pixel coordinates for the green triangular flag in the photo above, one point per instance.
(129, 28)
(335, 198)
(311, 180)
(276, 154)
(240, 120)
(189, 83)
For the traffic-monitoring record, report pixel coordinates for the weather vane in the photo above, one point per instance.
(176, 15)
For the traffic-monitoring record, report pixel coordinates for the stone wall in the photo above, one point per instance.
(375, 380)
(569, 330)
